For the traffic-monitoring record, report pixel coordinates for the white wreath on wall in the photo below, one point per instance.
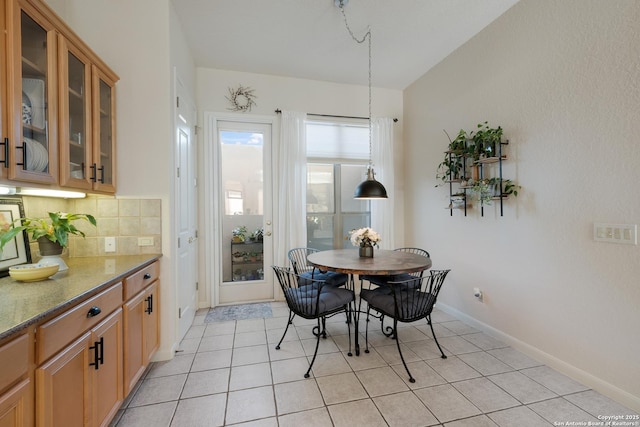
(242, 99)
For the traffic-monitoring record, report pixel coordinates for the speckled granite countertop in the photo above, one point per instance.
(24, 303)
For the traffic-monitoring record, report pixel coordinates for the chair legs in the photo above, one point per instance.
(434, 336)
(322, 332)
(395, 328)
(315, 353)
(291, 316)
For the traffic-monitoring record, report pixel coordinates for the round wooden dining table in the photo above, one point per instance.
(384, 262)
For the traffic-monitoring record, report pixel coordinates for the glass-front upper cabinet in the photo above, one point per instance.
(104, 131)
(76, 138)
(32, 56)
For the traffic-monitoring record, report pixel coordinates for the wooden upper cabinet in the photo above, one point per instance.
(104, 131)
(75, 116)
(87, 122)
(32, 102)
(57, 109)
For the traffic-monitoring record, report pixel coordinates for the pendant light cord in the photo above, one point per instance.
(360, 41)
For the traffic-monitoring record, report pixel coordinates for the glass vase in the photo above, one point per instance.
(366, 251)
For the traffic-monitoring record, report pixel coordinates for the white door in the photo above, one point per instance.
(244, 210)
(186, 211)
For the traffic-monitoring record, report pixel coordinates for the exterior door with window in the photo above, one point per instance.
(244, 200)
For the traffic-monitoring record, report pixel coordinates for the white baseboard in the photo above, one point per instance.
(623, 397)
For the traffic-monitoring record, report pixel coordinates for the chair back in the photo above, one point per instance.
(416, 251)
(414, 298)
(298, 259)
(301, 296)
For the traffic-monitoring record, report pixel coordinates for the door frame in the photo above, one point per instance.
(212, 207)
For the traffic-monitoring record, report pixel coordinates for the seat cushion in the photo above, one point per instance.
(383, 280)
(303, 300)
(331, 278)
(412, 303)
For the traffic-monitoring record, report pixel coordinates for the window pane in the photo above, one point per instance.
(242, 183)
(351, 176)
(352, 222)
(320, 231)
(337, 140)
(331, 209)
(320, 188)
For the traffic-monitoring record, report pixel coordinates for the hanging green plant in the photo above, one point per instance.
(451, 167)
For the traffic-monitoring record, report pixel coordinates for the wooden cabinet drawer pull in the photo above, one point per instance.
(147, 276)
(94, 311)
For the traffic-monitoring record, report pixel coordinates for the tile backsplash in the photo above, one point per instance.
(124, 219)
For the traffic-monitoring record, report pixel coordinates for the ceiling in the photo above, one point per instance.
(308, 39)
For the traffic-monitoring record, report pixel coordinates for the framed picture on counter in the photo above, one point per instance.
(17, 251)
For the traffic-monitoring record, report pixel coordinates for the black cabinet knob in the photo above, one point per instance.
(94, 311)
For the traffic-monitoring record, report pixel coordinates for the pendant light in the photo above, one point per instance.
(369, 188)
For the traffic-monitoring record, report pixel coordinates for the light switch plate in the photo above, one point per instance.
(145, 241)
(616, 233)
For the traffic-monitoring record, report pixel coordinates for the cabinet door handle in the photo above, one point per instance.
(101, 169)
(24, 156)
(98, 353)
(147, 276)
(6, 152)
(149, 301)
(93, 172)
(94, 311)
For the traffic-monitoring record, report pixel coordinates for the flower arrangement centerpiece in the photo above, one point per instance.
(52, 234)
(365, 238)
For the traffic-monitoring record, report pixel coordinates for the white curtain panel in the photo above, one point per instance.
(382, 217)
(290, 173)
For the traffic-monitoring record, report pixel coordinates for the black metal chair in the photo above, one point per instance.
(313, 299)
(382, 281)
(306, 271)
(408, 301)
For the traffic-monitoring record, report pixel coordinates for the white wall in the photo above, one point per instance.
(309, 96)
(561, 77)
(135, 39)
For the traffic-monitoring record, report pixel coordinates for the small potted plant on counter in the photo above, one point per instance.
(52, 234)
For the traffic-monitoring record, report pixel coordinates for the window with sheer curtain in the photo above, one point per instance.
(337, 155)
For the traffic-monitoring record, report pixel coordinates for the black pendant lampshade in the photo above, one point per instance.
(370, 188)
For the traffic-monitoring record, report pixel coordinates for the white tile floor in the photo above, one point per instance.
(229, 373)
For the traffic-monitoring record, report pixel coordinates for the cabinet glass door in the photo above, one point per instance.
(75, 132)
(33, 155)
(104, 133)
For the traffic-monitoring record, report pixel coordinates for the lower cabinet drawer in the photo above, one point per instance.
(52, 336)
(140, 280)
(13, 361)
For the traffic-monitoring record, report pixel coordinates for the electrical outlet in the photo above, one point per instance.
(109, 244)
